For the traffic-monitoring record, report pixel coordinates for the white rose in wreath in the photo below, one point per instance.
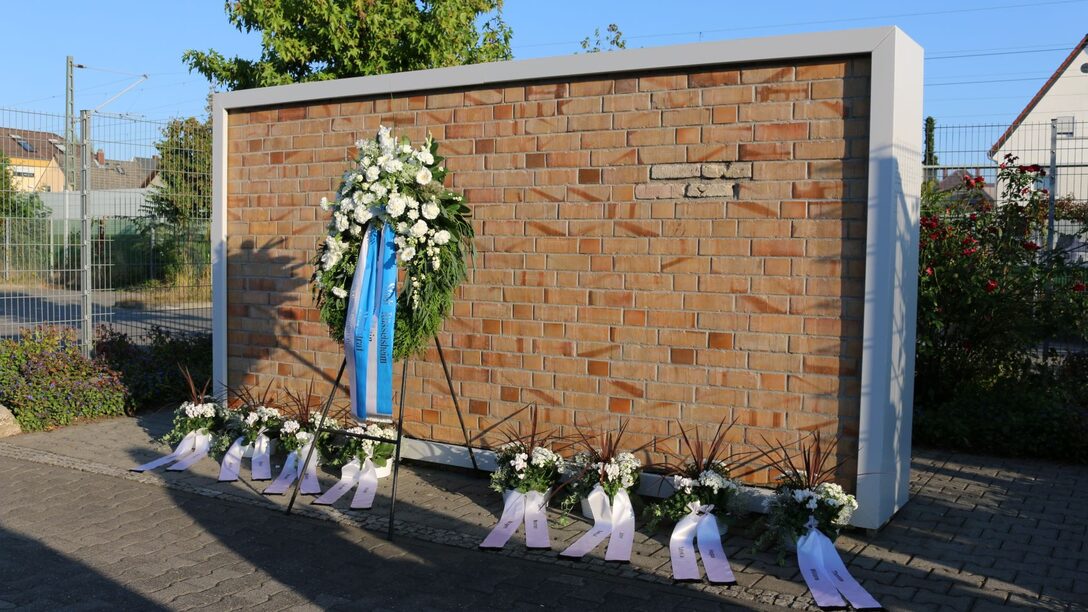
(441, 237)
(407, 253)
(430, 210)
(423, 177)
(419, 229)
(395, 207)
(372, 173)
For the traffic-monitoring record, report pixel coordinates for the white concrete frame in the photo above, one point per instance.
(887, 370)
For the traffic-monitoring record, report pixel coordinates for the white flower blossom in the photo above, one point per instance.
(372, 173)
(407, 253)
(392, 166)
(339, 292)
(430, 210)
(290, 426)
(419, 229)
(363, 215)
(324, 203)
(441, 237)
(423, 177)
(396, 205)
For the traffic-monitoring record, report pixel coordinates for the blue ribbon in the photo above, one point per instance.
(368, 333)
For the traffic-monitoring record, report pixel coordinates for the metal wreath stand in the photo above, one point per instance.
(400, 430)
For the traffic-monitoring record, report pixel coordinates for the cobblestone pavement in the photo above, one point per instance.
(979, 534)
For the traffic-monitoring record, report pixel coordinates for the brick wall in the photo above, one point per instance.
(671, 245)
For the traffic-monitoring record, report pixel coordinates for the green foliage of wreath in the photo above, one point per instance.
(390, 182)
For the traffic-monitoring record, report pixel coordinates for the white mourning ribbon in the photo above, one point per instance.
(613, 520)
(826, 574)
(192, 448)
(536, 521)
(186, 446)
(513, 513)
(528, 508)
(291, 470)
(364, 475)
(699, 525)
(232, 461)
(202, 443)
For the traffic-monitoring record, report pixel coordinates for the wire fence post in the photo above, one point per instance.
(1053, 185)
(86, 306)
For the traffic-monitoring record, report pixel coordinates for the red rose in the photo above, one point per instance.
(929, 270)
(1029, 245)
(970, 251)
(979, 182)
(990, 286)
(1078, 286)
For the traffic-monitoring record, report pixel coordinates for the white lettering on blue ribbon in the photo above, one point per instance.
(370, 325)
(356, 330)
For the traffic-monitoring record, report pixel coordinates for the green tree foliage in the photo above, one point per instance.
(16, 203)
(176, 224)
(929, 156)
(185, 179)
(315, 40)
(613, 39)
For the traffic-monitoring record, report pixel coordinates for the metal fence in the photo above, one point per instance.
(104, 220)
(1060, 147)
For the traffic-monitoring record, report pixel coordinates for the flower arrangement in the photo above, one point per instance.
(706, 476)
(394, 184)
(378, 452)
(255, 412)
(525, 463)
(292, 436)
(599, 460)
(805, 493)
(199, 413)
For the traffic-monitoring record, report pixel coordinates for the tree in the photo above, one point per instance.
(929, 156)
(185, 179)
(315, 40)
(16, 203)
(613, 40)
(176, 226)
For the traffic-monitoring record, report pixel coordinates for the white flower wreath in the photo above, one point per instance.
(392, 183)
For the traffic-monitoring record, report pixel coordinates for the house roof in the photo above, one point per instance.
(30, 144)
(135, 173)
(1039, 96)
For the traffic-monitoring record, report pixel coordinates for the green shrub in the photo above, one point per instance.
(151, 371)
(1033, 415)
(989, 297)
(46, 381)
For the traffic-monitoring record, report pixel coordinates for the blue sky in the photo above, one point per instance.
(1011, 47)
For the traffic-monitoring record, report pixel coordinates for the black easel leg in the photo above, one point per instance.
(400, 439)
(456, 404)
(321, 424)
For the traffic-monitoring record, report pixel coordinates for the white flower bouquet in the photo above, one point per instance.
(705, 477)
(806, 496)
(348, 448)
(200, 413)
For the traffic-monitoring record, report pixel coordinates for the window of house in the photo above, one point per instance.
(26, 146)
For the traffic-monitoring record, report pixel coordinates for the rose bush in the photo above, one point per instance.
(989, 297)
